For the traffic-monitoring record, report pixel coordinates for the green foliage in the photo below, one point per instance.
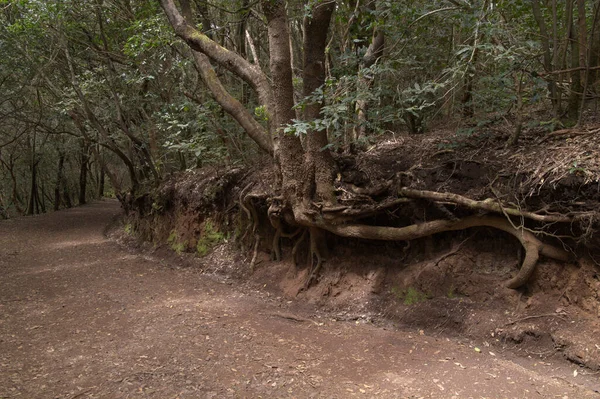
(149, 36)
(209, 238)
(451, 292)
(128, 228)
(261, 113)
(410, 295)
(175, 244)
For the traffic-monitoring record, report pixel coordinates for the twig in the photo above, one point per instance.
(452, 251)
(81, 393)
(535, 317)
(487, 204)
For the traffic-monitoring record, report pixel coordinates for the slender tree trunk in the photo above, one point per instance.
(582, 30)
(365, 82)
(32, 204)
(548, 58)
(241, 42)
(575, 94)
(41, 198)
(15, 197)
(83, 172)
(101, 182)
(67, 195)
(595, 49)
(555, 62)
(33, 196)
(59, 178)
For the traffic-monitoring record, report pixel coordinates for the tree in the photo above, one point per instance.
(305, 196)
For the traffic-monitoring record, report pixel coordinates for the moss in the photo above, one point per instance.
(175, 244)
(452, 292)
(172, 237)
(209, 238)
(179, 247)
(128, 228)
(409, 296)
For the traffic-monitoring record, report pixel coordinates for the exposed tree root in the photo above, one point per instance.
(249, 209)
(533, 247)
(486, 205)
(333, 220)
(275, 246)
(318, 251)
(274, 214)
(296, 246)
(254, 252)
(246, 208)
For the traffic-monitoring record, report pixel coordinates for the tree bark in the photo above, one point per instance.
(59, 178)
(575, 93)
(288, 149)
(545, 39)
(319, 161)
(83, 172)
(365, 82)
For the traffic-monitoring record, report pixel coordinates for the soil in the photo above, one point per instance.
(83, 317)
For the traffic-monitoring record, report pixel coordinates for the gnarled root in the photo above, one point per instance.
(249, 209)
(254, 252)
(318, 251)
(296, 246)
(275, 246)
(533, 247)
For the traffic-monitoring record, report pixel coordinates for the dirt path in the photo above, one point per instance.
(82, 318)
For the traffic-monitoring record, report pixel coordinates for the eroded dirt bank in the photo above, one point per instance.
(82, 318)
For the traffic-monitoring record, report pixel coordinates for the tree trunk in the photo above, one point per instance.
(41, 199)
(575, 94)
(582, 30)
(101, 182)
(83, 172)
(59, 177)
(33, 188)
(365, 80)
(319, 161)
(548, 58)
(33, 205)
(595, 49)
(288, 149)
(15, 197)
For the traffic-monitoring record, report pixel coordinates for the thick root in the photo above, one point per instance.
(533, 247)
(255, 252)
(296, 247)
(318, 251)
(276, 247)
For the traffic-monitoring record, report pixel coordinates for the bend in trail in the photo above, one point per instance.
(80, 317)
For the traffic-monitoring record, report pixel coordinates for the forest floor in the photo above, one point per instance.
(83, 317)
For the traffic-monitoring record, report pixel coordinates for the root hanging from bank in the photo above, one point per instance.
(532, 246)
(249, 209)
(296, 247)
(318, 252)
(314, 220)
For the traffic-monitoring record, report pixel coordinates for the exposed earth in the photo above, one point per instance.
(83, 317)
